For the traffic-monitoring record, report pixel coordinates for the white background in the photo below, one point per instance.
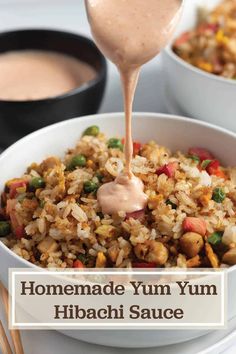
(69, 15)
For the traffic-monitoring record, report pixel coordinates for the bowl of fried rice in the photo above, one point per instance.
(200, 64)
(50, 216)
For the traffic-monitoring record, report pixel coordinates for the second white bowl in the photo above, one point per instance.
(194, 92)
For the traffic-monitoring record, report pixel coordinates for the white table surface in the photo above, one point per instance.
(70, 15)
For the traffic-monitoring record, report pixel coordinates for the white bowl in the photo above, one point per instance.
(174, 132)
(196, 93)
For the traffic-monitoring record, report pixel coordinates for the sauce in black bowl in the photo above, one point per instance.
(18, 118)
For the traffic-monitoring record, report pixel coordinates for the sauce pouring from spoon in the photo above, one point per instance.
(130, 33)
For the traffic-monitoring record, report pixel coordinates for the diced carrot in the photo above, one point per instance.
(139, 214)
(78, 264)
(194, 262)
(143, 265)
(136, 146)
(168, 169)
(19, 232)
(213, 166)
(205, 27)
(214, 169)
(193, 224)
(17, 186)
(220, 174)
(182, 39)
(202, 153)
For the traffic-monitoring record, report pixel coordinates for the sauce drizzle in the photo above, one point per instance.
(130, 33)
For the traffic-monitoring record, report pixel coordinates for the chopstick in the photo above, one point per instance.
(15, 334)
(4, 344)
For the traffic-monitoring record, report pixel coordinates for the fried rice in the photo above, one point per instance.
(211, 45)
(50, 216)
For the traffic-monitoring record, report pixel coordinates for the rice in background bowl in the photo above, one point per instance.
(210, 45)
(195, 92)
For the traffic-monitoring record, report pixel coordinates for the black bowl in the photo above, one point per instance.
(18, 118)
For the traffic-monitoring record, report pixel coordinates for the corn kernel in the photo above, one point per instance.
(205, 197)
(211, 256)
(221, 38)
(106, 231)
(205, 66)
(155, 200)
(101, 260)
(90, 163)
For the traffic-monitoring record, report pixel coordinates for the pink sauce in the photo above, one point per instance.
(130, 33)
(34, 75)
(122, 192)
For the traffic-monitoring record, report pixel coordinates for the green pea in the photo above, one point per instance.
(173, 205)
(205, 163)
(77, 161)
(35, 183)
(42, 203)
(90, 187)
(82, 258)
(114, 143)
(99, 176)
(195, 158)
(218, 195)
(5, 228)
(215, 238)
(92, 131)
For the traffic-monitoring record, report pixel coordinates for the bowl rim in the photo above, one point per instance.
(100, 74)
(103, 116)
(169, 51)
